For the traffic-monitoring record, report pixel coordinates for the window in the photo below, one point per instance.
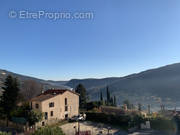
(51, 113)
(65, 101)
(66, 105)
(46, 116)
(37, 106)
(43, 123)
(51, 104)
(66, 108)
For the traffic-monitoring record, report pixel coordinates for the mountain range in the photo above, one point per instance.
(156, 86)
(22, 78)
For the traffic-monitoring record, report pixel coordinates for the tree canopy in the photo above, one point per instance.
(9, 96)
(83, 97)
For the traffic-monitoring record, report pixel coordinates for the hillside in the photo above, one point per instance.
(156, 86)
(46, 83)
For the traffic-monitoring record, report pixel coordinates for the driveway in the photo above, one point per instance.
(102, 129)
(95, 128)
(151, 132)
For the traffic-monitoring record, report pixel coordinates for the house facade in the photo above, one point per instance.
(56, 104)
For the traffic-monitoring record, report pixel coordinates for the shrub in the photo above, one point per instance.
(123, 121)
(34, 116)
(163, 124)
(118, 120)
(48, 131)
(4, 133)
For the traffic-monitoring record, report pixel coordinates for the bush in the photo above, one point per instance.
(163, 124)
(4, 133)
(34, 116)
(122, 121)
(31, 116)
(48, 131)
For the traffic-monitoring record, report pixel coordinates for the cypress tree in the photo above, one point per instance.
(115, 103)
(101, 98)
(149, 109)
(111, 101)
(108, 95)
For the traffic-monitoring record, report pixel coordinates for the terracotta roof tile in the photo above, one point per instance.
(51, 93)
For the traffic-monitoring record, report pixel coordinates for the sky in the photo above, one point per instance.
(122, 37)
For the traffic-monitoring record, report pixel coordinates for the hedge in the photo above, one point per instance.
(48, 131)
(122, 121)
(4, 133)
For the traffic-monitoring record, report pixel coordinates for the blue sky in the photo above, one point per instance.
(124, 37)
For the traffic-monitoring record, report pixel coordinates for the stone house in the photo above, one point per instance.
(56, 104)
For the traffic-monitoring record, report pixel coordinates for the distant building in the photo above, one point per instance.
(144, 114)
(56, 104)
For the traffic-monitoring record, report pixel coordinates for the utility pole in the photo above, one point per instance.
(108, 130)
(78, 128)
(75, 129)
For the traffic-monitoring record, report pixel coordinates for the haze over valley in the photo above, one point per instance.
(155, 86)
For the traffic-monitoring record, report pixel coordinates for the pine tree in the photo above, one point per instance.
(82, 98)
(9, 97)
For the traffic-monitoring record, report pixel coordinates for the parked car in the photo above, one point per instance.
(73, 119)
(77, 118)
(81, 118)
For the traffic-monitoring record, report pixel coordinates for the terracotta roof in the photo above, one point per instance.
(59, 91)
(54, 91)
(42, 97)
(51, 93)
